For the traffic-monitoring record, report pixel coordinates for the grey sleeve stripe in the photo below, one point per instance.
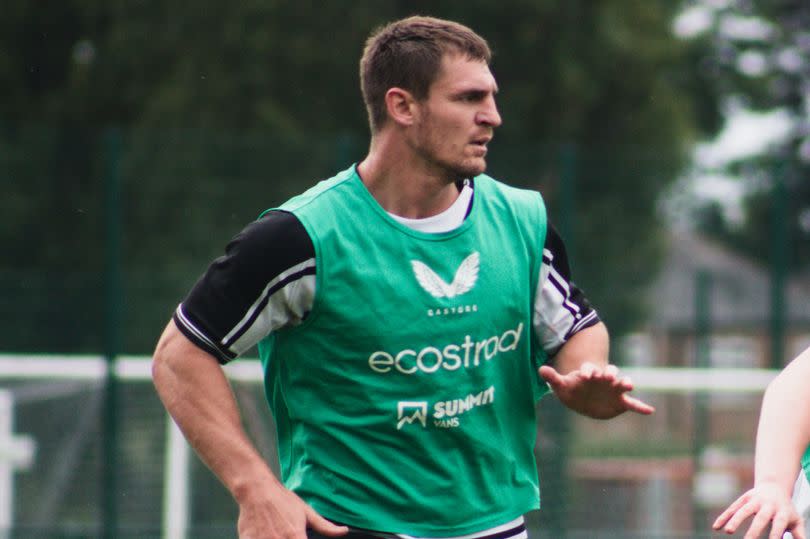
(249, 318)
(195, 334)
(286, 306)
(583, 322)
(192, 328)
(556, 317)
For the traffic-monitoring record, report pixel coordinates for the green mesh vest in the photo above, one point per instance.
(405, 402)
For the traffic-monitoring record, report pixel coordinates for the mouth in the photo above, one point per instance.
(481, 141)
(480, 144)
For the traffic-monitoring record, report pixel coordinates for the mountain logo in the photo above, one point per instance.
(410, 412)
(463, 281)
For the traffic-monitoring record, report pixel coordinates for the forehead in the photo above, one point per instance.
(459, 73)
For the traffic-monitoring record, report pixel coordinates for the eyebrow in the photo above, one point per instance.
(476, 91)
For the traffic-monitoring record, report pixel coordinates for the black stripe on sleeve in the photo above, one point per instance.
(272, 290)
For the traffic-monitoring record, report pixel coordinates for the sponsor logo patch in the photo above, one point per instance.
(449, 357)
(445, 414)
(409, 412)
(463, 281)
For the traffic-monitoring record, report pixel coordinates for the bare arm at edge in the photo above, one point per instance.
(783, 434)
(196, 393)
(584, 380)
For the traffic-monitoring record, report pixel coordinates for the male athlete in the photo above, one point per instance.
(778, 499)
(402, 311)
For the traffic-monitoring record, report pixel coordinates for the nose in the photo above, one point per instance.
(488, 115)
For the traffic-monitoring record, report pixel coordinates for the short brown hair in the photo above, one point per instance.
(407, 54)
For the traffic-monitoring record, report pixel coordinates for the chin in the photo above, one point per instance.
(465, 169)
(474, 169)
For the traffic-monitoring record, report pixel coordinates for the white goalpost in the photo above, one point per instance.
(17, 450)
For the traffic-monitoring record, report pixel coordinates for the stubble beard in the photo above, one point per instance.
(456, 170)
(468, 168)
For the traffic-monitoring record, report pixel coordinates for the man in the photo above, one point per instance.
(783, 438)
(402, 310)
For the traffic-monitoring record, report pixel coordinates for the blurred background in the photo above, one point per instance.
(670, 139)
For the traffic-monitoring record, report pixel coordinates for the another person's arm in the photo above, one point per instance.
(783, 434)
(569, 329)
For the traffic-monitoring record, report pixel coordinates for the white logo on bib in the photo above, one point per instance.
(463, 281)
(409, 412)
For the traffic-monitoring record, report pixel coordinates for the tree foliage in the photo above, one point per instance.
(759, 58)
(226, 109)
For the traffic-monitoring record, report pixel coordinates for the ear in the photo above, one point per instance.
(401, 106)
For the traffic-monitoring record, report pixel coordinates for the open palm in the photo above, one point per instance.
(595, 392)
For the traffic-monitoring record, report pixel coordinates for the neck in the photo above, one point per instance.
(401, 183)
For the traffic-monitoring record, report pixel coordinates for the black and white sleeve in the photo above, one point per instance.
(265, 281)
(560, 307)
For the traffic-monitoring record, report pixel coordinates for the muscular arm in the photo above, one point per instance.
(195, 391)
(783, 435)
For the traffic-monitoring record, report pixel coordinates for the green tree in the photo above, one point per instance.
(224, 102)
(759, 58)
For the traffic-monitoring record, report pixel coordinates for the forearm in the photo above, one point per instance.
(590, 345)
(195, 391)
(783, 433)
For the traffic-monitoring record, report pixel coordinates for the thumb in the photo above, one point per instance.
(321, 525)
(550, 375)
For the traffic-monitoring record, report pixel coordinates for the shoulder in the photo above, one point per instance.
(500, 188)
(527, 202)
(277, 239)
(262, 251)
(321, 192)
(272, 224)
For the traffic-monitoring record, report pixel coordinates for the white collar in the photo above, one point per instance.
(448, 220)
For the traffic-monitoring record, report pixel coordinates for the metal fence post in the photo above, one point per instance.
(701, 422)
(112, 331)
(779, 261)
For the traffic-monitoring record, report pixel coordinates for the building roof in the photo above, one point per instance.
(739, 289)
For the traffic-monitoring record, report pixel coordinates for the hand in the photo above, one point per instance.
(594, 392)
(281, 514)
(766, 503)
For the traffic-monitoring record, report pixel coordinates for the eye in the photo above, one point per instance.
(472, 97)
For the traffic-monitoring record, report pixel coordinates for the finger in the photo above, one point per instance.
(321, 525)
(636, 405)
(779, 525)
(624, 383)
(550, 375)
(760, 524)
(742, 514)
(798, 530)
(720, 521)
(588, 370)
(730, 510)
